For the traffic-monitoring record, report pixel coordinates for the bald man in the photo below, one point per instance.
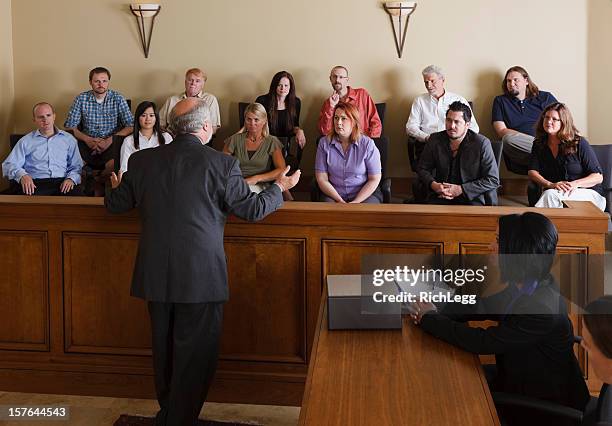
(46, 161)
(184, 192)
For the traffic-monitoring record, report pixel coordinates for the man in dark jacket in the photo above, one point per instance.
(458, 166)
(184, 192)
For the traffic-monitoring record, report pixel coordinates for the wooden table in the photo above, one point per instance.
(388, 377)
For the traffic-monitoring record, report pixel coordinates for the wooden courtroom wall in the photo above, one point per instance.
(242, 43)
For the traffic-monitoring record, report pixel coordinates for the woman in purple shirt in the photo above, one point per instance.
(347, 166)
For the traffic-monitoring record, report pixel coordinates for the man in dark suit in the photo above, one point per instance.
(457, 165)
(184, 192)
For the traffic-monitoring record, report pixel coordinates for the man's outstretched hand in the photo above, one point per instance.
(115, 180)
(288, 182)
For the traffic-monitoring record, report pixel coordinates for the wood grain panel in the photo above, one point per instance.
(265, 317)
(98, 334)
(341, 257)
(100, 315)
(24, 286)
(392, 377)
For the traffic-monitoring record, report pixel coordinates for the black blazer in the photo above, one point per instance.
(184, 192)
(478, 168)
(533, 345)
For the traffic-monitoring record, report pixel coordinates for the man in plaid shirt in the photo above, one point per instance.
(94, 117)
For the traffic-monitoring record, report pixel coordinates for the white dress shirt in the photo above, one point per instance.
(209, 100)
(428, 115)
(128, 147)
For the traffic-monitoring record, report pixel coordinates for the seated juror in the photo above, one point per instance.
(515, 114)
(259, 153)
(195, 79)
(369, 121)
(283, 108)
(147, 133)
(533, 339)
(46, 161)
(347, 165)
(428, 111)
(457, 165)
(563, 163)
(94, 117)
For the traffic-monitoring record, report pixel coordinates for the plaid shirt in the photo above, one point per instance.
(99, 120)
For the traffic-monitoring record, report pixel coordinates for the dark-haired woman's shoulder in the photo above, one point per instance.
(262, 99)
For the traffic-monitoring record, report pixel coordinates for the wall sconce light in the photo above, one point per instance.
(142, 11)
(400, 10)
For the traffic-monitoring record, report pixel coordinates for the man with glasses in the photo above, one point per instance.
(368, 116)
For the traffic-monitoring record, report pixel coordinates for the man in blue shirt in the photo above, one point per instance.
(515, 114)
(45, 161)
(94, 117)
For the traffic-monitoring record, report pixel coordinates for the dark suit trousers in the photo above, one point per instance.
(185, 350)
(49, 186)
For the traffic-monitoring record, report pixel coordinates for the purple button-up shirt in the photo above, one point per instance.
(348, 172)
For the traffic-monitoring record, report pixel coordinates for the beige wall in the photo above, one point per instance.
(56, 42)
(599, 70)
(7, 95)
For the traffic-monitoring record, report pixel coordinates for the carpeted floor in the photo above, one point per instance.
(127, 420)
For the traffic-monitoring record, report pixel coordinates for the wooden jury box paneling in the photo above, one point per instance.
(69, 325)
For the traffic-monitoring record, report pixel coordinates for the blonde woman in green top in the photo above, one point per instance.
(259, 153)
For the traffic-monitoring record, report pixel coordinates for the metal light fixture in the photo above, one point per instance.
(397, 11)
(148, 11)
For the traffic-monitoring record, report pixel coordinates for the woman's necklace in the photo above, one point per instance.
(253, 140)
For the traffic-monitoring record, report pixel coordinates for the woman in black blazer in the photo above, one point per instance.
(533, 339)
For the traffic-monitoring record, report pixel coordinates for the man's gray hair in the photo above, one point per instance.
(192, 121)
(433, 69)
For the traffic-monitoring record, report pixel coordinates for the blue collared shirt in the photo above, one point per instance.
(518, 115)
(43, 158)
(99, 120)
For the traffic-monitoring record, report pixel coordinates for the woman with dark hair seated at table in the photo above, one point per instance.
(347, 165)
(597, 341)
(533, 339)
(147, 133)
(562, 162)
(259, 153)
(283, 108)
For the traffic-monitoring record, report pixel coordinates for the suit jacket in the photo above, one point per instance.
(478, 167)
(532, 343)
(184, 192)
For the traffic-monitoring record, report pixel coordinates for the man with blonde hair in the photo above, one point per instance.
(194, 88)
